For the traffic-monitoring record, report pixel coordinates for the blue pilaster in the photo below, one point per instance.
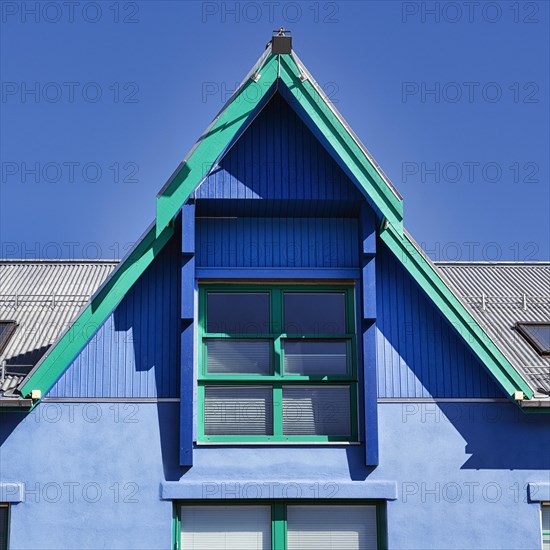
(368, 292)
(187, 332)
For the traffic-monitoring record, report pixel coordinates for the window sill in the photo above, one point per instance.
(276, 443)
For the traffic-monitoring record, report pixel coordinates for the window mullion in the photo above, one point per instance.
(278, 526)
(278, 409)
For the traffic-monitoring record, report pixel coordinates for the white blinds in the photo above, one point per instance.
(316, 410)
(332, 527)
(315, 357)
(238, 410)
(230, 356)
(226, 527)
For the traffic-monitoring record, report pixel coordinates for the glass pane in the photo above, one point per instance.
(315, 313)
(238, 313)
(540, 334)
(316, 410)
(308, 357)
(331, 527)
(238, 410)
(228, 356)
(226, 527)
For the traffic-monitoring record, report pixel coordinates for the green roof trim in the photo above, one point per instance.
(421, 269)
(69, 345)
(270, 71)
(342, 141)
(223, 130)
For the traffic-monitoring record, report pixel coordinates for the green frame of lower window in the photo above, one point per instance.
(545, 533)
(278, 379)
(278, 515)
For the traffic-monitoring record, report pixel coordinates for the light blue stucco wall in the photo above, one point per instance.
(94, 474)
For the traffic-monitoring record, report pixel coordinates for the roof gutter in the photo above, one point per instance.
(16, 403)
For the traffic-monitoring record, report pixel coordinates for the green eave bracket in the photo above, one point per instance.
(60, 356)
(475, 337)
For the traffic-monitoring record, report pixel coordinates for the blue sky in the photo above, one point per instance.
(101, 101)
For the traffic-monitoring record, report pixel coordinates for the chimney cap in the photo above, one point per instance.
(280, 43)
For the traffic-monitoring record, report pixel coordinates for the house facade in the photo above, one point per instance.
(276, 364)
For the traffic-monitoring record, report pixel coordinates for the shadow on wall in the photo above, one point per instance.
(421, 355)
(150, 316)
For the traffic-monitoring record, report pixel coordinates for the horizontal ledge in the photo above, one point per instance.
(277, 273)
(539, 492)
(110, 400)
(278, 489)
(12, 492)
(277, 443)
(16, 402)
(397, 400)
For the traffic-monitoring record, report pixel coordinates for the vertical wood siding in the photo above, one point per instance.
(277, 242)
(278, 157)
(135, 353)
(419, 353)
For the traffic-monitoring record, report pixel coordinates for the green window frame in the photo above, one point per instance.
(279, 516)
(545, 513)
(278, 378)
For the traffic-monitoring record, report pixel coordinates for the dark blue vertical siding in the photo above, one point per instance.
(277, 242)
(135, 353)
(419, 353)
(278, 158)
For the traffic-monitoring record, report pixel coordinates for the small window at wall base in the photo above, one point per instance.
(537, 334)
(277, 363)
(279, 525)
(7, 328)
(546, 526)
(4, 525)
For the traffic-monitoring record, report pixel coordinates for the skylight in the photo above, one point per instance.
(7, 328)
(537, 334)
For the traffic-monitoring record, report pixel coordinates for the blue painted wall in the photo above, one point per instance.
(135, 353)
(469, 492)
(277, 242)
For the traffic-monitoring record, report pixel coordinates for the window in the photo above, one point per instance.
(537, 334)
(278, 526)
(277, 363)
(546, 526)
(4, 523)
(7, 328)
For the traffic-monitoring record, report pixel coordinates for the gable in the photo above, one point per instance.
(288, 75)
(278, 159)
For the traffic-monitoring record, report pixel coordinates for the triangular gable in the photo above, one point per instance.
(279, 159)
(286, 74)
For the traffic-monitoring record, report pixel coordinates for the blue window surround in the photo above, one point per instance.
(365, 279)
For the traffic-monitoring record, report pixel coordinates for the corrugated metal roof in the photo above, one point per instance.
(500, 294)
(42, 297)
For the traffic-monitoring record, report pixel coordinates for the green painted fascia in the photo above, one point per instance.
(213, 143)
(228, 124)
(450, 306)
(64, 351)
(342, 141)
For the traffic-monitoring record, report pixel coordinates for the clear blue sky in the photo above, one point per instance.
(453, 104)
